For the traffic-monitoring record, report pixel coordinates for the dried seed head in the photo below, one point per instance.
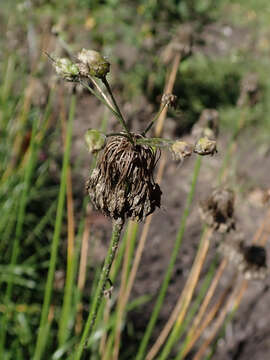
(207, 125)
(250, 260)
(218, 210)
(95, 140)
(93, 63)
(181, 150)
(205, 146)
(65, 68)
(122, 184)
(169, 100)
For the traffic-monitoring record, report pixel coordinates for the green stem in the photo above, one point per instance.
(117, 227)
(43, 326)
(154, 120)
(165, 283)
(121, 118)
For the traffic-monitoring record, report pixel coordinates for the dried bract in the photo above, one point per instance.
(181, 150)
(218, 210)
(205, 146)
(93, 63)
(122, 184)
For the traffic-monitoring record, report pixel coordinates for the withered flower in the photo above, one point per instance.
(122, 184)
(93, 63)
(250, 260)
(218, 210)
(205, 146)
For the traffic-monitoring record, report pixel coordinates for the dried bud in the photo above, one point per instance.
(65, 68)
(249, 259)
(218, 210)
(205, 146)
(207, 125)
(95, 140)
(169, 100)
(181, 150)
(96, 64)
(122, 184)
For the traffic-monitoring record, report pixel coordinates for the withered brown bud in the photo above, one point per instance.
(122, 184)
(169, 100)
(181, 150)
(218, 210)
(207, 125)
(250, 260)
(205, 146)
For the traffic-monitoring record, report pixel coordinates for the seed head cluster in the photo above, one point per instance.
(122, 184)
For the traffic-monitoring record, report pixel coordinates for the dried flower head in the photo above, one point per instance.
(205, 146)
(122, 184)
(93, 63)
(249, 90)
(207, 125)
(218, 210)
(65, 68)
(181, 150)
(250, 260)
(169, 100)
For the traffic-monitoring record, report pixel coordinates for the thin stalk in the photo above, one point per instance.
(41, 340)
(70, 277)
(19, 228)
(165, 283)
(121, 118)
(116, 232)
(155, 119)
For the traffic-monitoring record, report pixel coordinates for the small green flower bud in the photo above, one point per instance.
(97, 65)
(66, 69)
(204, 146)
(95, 140)
(181, 150)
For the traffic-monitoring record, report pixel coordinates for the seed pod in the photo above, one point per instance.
(122, 184)
(218, 210)
(181, 150)
(94, 62)
(205, 146)
(95, 140)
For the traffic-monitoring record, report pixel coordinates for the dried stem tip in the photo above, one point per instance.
(94, 63)
(122, 184)
(218, 210)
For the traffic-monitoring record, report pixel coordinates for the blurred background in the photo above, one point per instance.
(43, 198)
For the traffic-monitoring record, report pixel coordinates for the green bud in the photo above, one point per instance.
(95, 140)
(204, 146)
(97, 65)
(66, 69)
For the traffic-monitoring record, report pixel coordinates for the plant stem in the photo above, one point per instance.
(154, 120)
(121, 118)
(117, 227)
(165, 284)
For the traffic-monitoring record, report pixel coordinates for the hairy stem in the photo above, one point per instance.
(117, 227)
